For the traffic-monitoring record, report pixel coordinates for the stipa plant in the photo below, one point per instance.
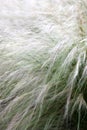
(43, 71)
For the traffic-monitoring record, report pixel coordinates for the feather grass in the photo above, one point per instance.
(43, 52)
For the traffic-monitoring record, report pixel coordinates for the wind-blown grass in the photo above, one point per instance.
(43, 65)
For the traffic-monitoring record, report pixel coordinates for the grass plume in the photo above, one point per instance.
(43, 65)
